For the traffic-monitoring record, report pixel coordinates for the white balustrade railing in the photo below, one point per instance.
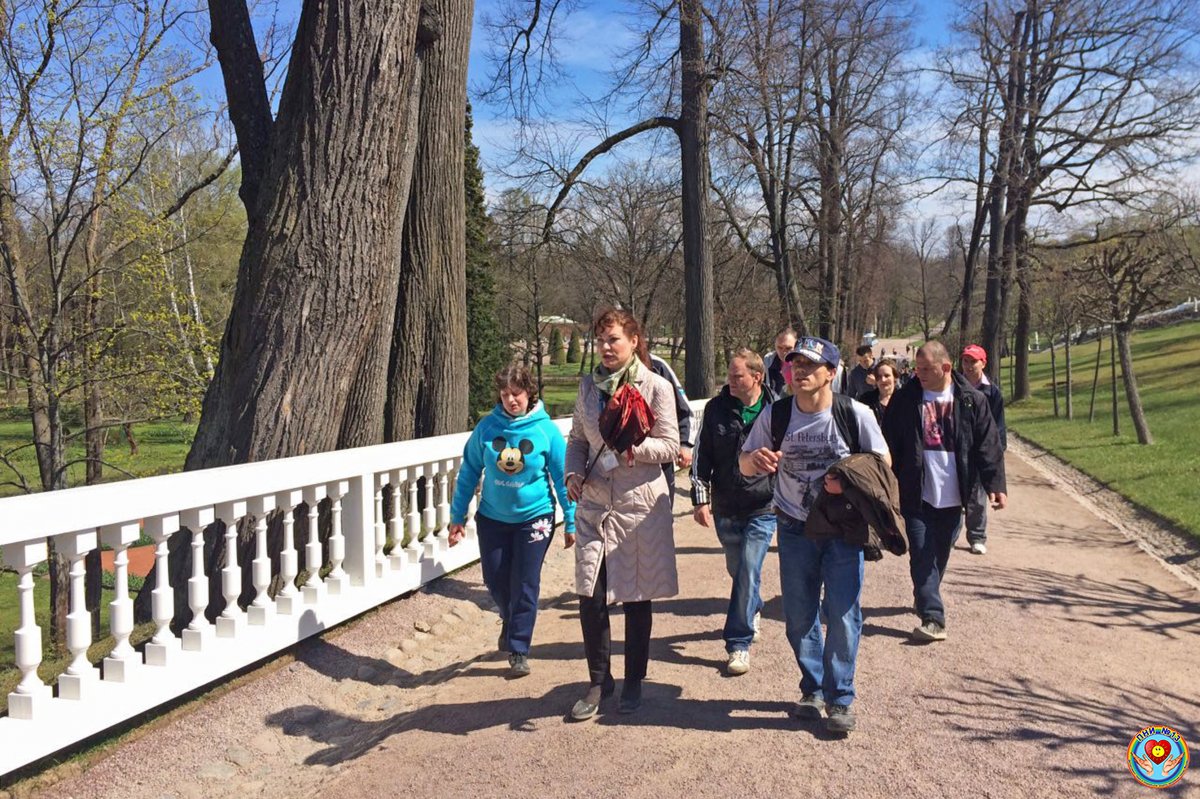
(86, 699)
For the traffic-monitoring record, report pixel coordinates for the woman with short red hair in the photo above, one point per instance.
(625, 546)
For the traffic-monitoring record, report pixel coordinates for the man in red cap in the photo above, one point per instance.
(973, 361)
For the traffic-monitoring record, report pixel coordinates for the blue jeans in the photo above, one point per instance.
(746, 542)
(931, 536)
(511, 555)
(826, 662)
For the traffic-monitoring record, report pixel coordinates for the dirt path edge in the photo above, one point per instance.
(1176, 549)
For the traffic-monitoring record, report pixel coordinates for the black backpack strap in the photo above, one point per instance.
(846, 421)
(781, 415)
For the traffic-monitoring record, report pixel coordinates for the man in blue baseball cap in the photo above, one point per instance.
(798, 439)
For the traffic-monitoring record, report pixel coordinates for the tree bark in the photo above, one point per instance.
(699, 374)
(429, 341)
(1112, 365)
(1132, 396)
(318, 271)
(1068, 388)
(1096, 375)
(1053, 376)
(1021, 335)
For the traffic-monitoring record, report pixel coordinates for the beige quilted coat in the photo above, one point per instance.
(624, 516)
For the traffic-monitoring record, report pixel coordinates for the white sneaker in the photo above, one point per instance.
(739, 662)
(757, 624)
(978, 548)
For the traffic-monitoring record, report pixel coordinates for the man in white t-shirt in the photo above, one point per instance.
(813, 441)
(943, 442)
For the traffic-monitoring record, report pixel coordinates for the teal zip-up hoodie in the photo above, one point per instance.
(519, 458)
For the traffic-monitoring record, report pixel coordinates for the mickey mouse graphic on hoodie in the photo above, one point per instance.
(521, 461)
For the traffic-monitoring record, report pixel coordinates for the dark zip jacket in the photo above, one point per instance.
(978, 454)
(716, 478)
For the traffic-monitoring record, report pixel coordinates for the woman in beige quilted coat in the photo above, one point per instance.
(625, 545)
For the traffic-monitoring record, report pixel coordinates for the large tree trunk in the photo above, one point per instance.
(319, 270)
(1132, 396)
(428, 391)
(1021, 335)
(699, 374)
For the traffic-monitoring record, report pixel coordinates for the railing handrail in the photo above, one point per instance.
(52, 512)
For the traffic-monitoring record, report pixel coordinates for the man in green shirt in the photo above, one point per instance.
(740, 508)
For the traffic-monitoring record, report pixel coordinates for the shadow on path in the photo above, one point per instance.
(1112, 605)
(346, 738)
(996, 712)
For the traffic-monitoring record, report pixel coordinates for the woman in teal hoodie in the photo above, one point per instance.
(520, 454)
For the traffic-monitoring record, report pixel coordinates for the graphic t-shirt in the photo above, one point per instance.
(940, 487)
(810, 447)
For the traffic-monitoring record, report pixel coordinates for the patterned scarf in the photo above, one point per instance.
(608, 383)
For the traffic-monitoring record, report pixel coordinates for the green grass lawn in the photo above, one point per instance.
(162, 447)
(1161, 477)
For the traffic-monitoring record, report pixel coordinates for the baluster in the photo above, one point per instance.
(232, 618)
(445, 486)
(80, 675)
(31, 694)
(429, 513)
(200, 630)
(414, 516)
(261, 608)
(337, 580)
(396, 525)
(314, 588)
(121, 664)
(162, 646)
(381, 561)
(285, 599)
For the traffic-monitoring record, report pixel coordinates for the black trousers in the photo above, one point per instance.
(597, 639)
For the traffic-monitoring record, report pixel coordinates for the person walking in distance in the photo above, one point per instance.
(774, 361)
(520, 454)
(943, 439)
(798, 441)
(974, 360)
(684, 415)
(856, 379)
(739, 507)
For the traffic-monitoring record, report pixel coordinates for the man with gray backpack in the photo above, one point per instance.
(798, 439)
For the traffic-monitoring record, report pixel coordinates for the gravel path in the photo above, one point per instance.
(1064, 641)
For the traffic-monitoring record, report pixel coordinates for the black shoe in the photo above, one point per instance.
(631, 697)
(841, 719)
(608, 687)
(518, 665)
(809, 707)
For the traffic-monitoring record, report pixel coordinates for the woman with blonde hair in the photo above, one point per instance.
(625, 546)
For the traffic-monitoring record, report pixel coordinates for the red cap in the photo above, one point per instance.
(975, 351)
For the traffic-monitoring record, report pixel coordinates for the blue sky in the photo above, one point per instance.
(589, 37)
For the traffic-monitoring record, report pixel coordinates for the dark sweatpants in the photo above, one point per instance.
(597, 640)
(511, 556)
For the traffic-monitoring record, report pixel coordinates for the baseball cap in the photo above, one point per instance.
(816, 349)
(975, 351)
